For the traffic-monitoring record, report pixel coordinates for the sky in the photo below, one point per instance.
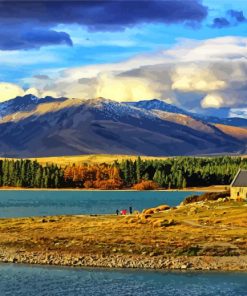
(189, 53)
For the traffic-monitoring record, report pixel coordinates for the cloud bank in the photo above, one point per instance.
(195, 75)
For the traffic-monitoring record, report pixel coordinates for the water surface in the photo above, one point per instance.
(25, 203)
(23, 280)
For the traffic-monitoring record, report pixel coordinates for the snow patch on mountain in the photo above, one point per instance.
(115, 110)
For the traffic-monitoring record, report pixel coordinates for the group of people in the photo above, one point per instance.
(124, 211)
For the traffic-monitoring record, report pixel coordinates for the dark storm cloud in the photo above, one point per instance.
(16, 37)
(220, 22)
(232, 18)
(96, 15)
(237, 15)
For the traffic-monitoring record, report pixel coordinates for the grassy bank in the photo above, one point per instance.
(205, 235)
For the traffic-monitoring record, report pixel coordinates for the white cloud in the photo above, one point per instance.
(217, 49)
(9, 91)
(124, 88)
(32, 91)
(192, 77)
(212, 101)
(238, 112)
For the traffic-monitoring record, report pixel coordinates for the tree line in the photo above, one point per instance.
(181, 172)
(171, 173)
(30, 174)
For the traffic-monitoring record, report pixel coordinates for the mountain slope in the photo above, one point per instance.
(51, 127)
(233, 131)
(162, 106)
(25, 103)
(186, 120)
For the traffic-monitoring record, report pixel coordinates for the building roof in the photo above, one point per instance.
(240, 179)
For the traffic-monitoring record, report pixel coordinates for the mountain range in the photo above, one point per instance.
(35, 127)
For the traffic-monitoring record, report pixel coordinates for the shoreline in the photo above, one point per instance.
(162, 263)
(214, 188)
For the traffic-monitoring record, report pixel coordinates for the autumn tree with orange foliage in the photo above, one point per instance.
(109, 184)
(101, 176)
(146, 185)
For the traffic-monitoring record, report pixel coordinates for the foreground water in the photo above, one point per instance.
(40, 203)
(25, 280)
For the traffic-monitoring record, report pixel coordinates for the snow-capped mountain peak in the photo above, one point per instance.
(156, 104)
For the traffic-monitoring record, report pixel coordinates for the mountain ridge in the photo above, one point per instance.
(51, 127)
(156, 104)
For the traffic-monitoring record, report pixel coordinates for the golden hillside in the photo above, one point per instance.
(90, 159)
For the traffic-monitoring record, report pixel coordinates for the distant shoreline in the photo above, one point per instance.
(217, 188)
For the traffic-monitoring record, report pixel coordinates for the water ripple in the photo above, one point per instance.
(23, 280)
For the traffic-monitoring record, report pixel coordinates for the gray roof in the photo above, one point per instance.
(241, 179)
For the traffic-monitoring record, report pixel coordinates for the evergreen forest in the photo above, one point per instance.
(172, 173)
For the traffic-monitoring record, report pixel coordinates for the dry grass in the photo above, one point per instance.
(210, 229)
(94, 159)
(233, 131)
(90, 159)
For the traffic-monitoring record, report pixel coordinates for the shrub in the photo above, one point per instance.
(88, 184)
(109, 184)
(206, 196)
(163, 207)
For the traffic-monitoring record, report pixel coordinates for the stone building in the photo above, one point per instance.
(239, 186)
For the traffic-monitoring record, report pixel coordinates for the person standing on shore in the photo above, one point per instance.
(130, 210)
(117, 212)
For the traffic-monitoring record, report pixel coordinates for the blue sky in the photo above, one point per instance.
(57, 43)
(93, 47)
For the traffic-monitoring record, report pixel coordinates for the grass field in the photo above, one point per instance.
(211, 228)
(96, 158)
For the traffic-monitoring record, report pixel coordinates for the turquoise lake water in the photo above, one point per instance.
(40, 203)
(23, 280)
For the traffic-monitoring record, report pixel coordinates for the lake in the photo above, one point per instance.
(25, 203)
(24, 280)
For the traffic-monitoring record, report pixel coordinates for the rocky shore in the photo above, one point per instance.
(226, 263)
